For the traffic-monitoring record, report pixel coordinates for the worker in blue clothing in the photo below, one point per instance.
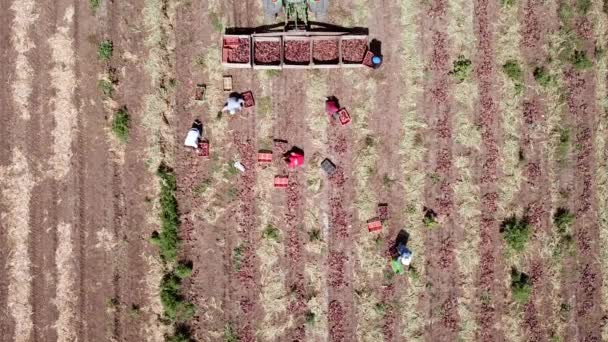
(376, 61)
(401, 255)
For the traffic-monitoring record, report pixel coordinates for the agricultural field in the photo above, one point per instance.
(485, 131)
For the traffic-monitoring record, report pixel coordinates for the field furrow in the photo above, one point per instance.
(316, 208)
(601, 150)
(490, 274)
(411, 173)
(512, 192)
(386, 183)
(341, 258)
(467, 141)
(246, 281)
(368, 246)
(439, 215)
(582, 108)
(289, 203)
(537, 23)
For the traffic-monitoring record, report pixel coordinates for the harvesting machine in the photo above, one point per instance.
(298, 43)
(295, 9)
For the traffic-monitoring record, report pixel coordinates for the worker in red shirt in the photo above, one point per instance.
(294, 157)
(331, 105)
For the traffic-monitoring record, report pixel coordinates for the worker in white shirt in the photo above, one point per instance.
(194, 134)
(233, 104)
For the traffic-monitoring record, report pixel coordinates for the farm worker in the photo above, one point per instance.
(194, 134)
(405, 255)
(403, 260)
(294, 158)
(376, 61)
(233, 104)
(331, 105)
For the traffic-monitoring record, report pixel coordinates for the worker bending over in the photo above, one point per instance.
(331, 105)
(194, 134)
(234, 104)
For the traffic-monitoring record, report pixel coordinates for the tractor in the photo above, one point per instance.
(296, 11)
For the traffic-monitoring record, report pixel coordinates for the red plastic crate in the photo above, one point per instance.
(367, 60)
(383, 211)
(248, 98)
(203, 148)
(374, 225)
(264, 156)
(344, 116)
(281, 181)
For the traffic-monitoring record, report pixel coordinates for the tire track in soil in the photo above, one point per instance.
(132, 178)
(582, 109)
(117, 186)
(535, 193)
(96, 209)
(288, 127)
(441, 267)
(340, 260)
(490, 277)
(44, 210)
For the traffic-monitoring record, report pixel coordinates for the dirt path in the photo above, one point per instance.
(133, 180)
(490, 287)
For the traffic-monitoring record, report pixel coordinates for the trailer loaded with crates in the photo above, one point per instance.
(296, 50)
